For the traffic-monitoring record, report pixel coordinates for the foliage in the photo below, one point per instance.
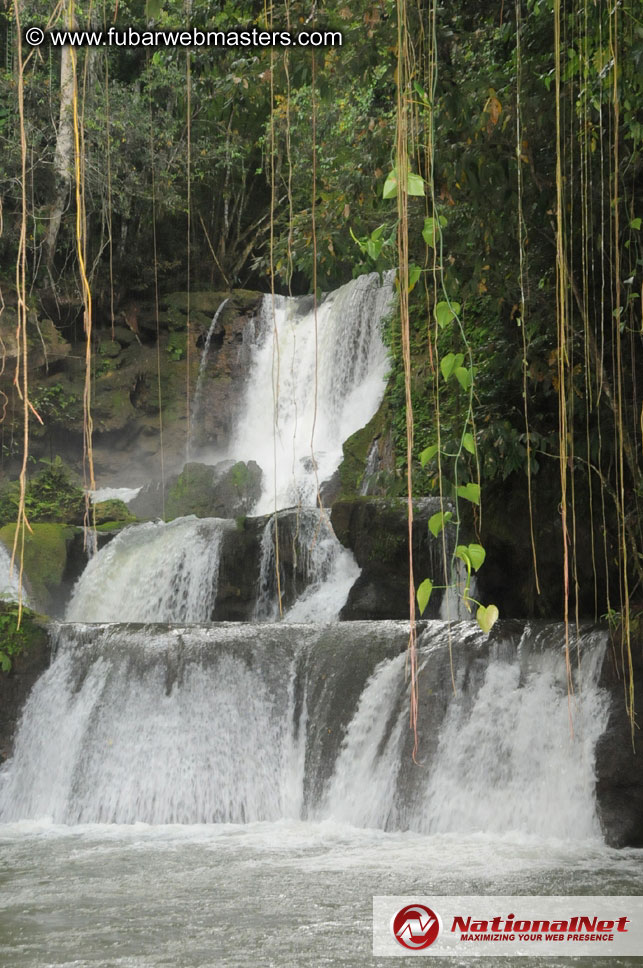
(15, 639)
(51, 496)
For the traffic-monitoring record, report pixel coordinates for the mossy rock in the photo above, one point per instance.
(109, 348)
(356, 450)
(112, 511)
(203, 302)
(45, 559)
(16, 640)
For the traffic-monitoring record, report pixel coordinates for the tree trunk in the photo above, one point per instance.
(63, 157)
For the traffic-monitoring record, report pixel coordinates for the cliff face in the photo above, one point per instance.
(141, 363)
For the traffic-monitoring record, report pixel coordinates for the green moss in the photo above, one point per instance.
(356, 449)
(15, 640)
(240, 475)
(113, 510)
(109, 348)
(191, 494)
(45, 558)
(177, 345)
(51, 496)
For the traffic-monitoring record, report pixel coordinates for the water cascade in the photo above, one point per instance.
(10, 577)
(153, 572)
(237, 723)
(315, 568)
(198, 393)
(323, 376)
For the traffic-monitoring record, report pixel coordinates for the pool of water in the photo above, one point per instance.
(288, 894)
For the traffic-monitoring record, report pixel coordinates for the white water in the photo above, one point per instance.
(152, 572)
(198, 393)
(125, 494)
(218, 725)
(327, 569)
(10, 578)
(320, 388)
(518, 755)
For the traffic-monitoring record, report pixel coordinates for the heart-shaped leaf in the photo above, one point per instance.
(427, 454)
(477, 554)
(424, 594)
(444, 313)
(470, 492)
(463, 376)
(469, 443)
(449, 363)
(390, 185)
(414, 184)
(487, 617)
(437, 521)
(414, 274)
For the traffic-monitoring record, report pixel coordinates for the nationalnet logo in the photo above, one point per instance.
(416, 927)
(501, 925)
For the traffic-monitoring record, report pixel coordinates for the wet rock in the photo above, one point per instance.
(223, 490)
(17, 683)
(376, 531)
(619, 751)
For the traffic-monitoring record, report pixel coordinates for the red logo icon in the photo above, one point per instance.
(416, 926)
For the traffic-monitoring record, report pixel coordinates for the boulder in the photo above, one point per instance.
(376, 531)
(223, 490)
(619, 751)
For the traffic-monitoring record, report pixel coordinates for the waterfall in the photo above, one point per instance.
(10, 578)
(198, 393)
(315, 568)
(153, 572)
(323, 377)
(235, 723)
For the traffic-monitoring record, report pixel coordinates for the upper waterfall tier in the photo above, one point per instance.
(315, 378)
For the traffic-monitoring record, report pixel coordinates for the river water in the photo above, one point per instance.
(285, 894)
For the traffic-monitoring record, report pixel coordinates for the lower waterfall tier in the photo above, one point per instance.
(239, 723)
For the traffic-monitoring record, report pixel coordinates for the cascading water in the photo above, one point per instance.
(10, 578)
(198, 393)
(322, 375)
(229, 723)
(322, 571)
(153, 572)
(279, 752)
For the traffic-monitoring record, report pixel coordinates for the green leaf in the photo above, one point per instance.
(414, 274)
(470, 492)
(361, 242)
(415, 184)
(424, 594)
(444, 313)
(390, 185)
(437, 521)
(427, 454)
(449, 363)
(463, 376)
(486, 617)
(429, 233)
(373, 248)
(153, 9)
(420, 90)
(468, 442)
(635, 224)
(477, 554)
